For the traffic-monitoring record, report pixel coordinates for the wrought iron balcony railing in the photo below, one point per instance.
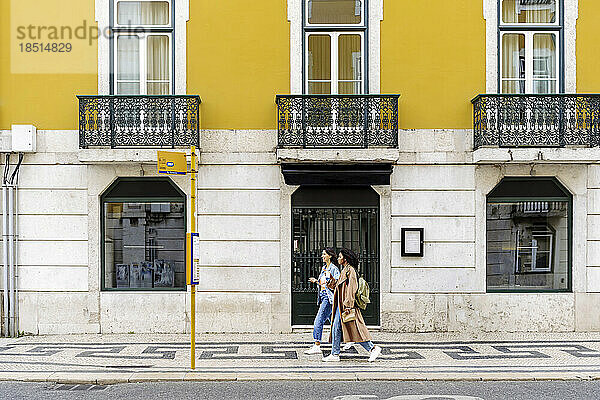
(337, 120)
(548, 120)
(139, 121)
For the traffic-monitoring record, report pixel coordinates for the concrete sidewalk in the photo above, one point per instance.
(107, 359)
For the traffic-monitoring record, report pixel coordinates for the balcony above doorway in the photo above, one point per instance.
(337, 121)
(536, 127)
(144, 121)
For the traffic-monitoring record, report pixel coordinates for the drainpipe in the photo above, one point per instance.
(11, 259)
(16, 258)
(5, 256)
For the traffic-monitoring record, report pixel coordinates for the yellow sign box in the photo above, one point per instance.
(171, 162)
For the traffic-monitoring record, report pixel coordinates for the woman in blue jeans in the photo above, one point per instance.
(326, 280)
(344, 296)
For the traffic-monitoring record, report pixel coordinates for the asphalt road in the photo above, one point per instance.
(306, 390)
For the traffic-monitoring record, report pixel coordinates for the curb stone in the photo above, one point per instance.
(122, 378)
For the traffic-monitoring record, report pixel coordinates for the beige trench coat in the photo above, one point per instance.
(345, 290)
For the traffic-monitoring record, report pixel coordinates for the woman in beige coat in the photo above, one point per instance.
(343, 302)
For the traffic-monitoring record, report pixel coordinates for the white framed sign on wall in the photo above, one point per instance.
(412, 242)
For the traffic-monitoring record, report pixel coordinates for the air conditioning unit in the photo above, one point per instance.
(23, 138)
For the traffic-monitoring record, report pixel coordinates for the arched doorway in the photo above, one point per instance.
(325, 217)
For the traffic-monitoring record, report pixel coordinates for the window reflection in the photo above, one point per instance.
(527, 245)
(144, 245)
(334, 11)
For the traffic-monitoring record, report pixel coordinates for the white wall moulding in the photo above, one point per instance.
(53, 253)
(430, 177)
(53, 227)
(53, 279)
(231, 176)
(53, 177)
(434, 280)
(241, 202)
(433, 203)
(239, 227)
(438, 228)
(110, 156)
(435, 255)
(240, 279)
(52, 202)
(255, 142)
(239, 253)
(536, 155)
(338, 155)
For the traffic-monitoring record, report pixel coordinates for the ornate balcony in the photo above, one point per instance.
(548, 120)
(139, 121)
(337, 121)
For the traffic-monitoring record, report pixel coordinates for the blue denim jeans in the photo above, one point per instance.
(336, 336)
(323, 315)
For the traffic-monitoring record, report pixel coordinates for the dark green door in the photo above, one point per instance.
(324, 217)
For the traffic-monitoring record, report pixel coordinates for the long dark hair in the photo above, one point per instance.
(331, 252)
(350, 257)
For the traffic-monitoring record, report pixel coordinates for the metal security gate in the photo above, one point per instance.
(313, 229)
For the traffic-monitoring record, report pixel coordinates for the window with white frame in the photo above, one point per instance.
(530, 32)
(142, 47)
(334, 58)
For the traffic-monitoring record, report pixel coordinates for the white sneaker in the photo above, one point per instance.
(375, 353)
(331, 358)
(347, 346)
(314, 350)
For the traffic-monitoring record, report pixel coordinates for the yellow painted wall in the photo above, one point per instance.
(588, 46)
(46, 100)
(238, 60)
(433, 54)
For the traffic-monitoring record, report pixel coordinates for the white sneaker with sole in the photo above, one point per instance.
(314, 350)
(331, 358)
(375, 353)
(347, 346)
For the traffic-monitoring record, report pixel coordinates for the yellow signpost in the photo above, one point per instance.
(190, 266)
(170, 162)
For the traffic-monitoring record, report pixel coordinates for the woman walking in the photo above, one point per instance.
(347, 319)
(326, 281)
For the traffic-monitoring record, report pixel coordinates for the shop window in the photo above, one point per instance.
(529, 236)
(143, 235)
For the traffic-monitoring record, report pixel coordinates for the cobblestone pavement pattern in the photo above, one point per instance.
(131, 358)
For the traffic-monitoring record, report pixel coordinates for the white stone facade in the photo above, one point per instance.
(244, 220)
